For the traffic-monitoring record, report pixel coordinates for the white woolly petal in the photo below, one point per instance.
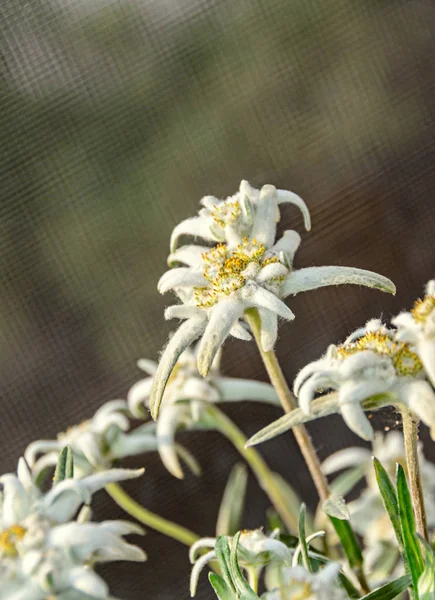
(149, 366)
(357, 391)
(322, 366)
(182, 311)
(308, 390)
(196, 227)
(268, 328)
(364, 359)
(85, 580)
(197, 568)
(40, 447)
(430, 287)
(343, 459)
(223, 316)
(171, 417)
(426, 351)
(187, 333)
(232, 236)
(131, 444)
(247, 190)
(198, 388)
(190, 255)
(420, 398)
(313, 278)
(262, 298)
(356, 420)
(264, 227)
(292, 198)
(138, 396)
(206, 542)
(233, 389)
(408, 329)
(47, 461)
(289, 243)
(239, 332)
(120, 527)
(16, 503)
(271, 270)
(180, 277)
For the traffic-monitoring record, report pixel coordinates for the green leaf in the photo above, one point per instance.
(335, 506)
(321, 407)
(242, 586)
(65, 466)
(411, 543)
(389, 498)
(390, 590)
(223, 554)
(303, 539)
(221, 589)
(348, 541)
(426, 582)
(231, 508)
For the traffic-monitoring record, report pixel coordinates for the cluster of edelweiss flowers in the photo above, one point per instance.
(48, 548)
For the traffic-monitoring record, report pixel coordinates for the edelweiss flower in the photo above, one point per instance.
(255, 549)
(95, 443)
(369, 363)
(249, 270)
(43, 553)
(186, 395)
(300, 584)
(418, 329)
(367, 512)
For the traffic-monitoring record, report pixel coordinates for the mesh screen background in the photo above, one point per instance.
(116, 117)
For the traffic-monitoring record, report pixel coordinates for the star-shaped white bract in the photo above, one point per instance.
(417, 328)
(248, 269)
(95, 443)
(185, 397)
(44, 551)
(370, 363)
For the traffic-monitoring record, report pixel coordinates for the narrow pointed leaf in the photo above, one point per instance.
(221, 589)
(303, 539)
(231, 508)
(389, 498)
(65, 466)
(348, 541)
(242, 586)
(223, 554)
(407, 522)
(390, 590)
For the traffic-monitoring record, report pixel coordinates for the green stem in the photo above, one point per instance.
(289, 403)
(253, 578)
(410, 434)
(262, 472)
(147, 517)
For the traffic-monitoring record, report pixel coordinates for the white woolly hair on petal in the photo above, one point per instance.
(195, 227)
(138, 396)
(309, 388)
(321, 366)
(246, 189)
(182, 311)
(312, 278)
(86, 581)
(419, 397)
(288, 243)
(232, 236)
(364, 359)
(120, 527)
(343, 459)
(171, 417)
(223, 316)
(262, 298)
(271, 270)
(197, 568)
(190, 255)
(40, 447)
(180, 277)
(430, 287)
(328, 574)
(356, 419)
(233, 389)
(298, 549)
(264, 227)
(147, 365)
(206, 542)
(187, 333)
(426, 350)
(408, 330)
(16, 503)
(239, 332)
(209, 201)
(268, 328)
(284, 196)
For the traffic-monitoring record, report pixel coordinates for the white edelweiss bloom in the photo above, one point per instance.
(95, 443)
(250, 270)
(255, 549)
(368, 364)
(417, 328)
(185, 397)
(300, 584)
(43, 552)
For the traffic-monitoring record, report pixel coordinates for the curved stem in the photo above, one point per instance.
(289, 403)
(264, 475)
(410, 434)
(147, 517)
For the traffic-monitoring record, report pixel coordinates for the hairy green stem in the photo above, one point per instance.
(289, 403)
(410, 434)
(258, 465)
(147, 517)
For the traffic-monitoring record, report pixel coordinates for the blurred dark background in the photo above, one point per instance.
(116, 117)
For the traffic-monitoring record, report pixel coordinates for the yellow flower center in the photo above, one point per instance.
(226, 213)
(423, 308)
(225, 270)
(9, 539)
(304, 592)
(405, 361)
